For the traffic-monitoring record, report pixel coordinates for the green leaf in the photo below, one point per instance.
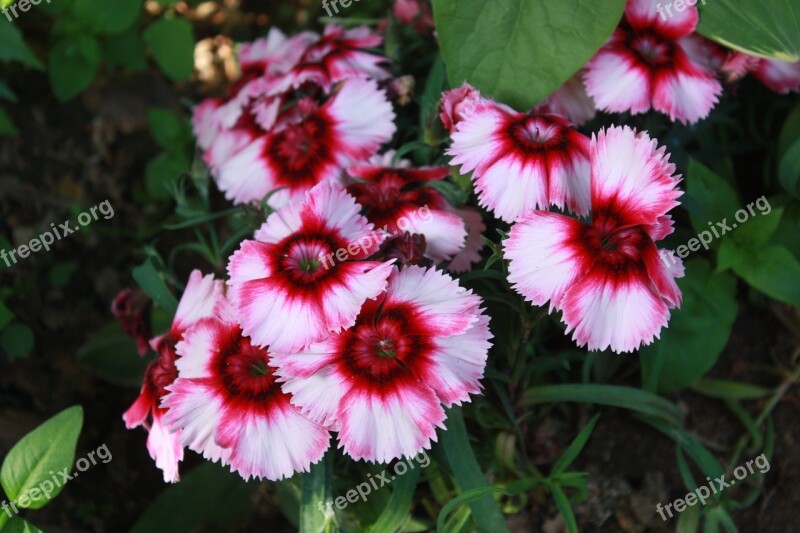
(48, 448)
(771, 269)
(150, 281)
(73, 65)
(521, 51)
(7, 128)
(172, 43)
(209, 498)
(315, 490)
(758, 228)
(730, 390)
(709, 198)
(454, 442)
(17, 340)
(170, 131)
(571, 453)
(112, 355)
(19, 525)
(108, 17)
(766, 28)
(565, 508)
(702, 457)
(397, 512)
(697, 332)
(465, 497)
(163, 171)
(13, 47)
(125, 50)
(615, 396)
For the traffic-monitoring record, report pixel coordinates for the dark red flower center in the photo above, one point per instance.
(301, 151)
(537, 133)
(614, 244)
(652, 49)
(388, 345)
(242, 369)
(307, 258)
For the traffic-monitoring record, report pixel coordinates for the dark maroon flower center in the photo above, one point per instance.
(536, 133)
(242, 369)
(652, 49)
(302, 151)
(307, 258)
(614, 244)
(387, 345)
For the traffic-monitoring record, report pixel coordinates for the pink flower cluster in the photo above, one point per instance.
(258, 370)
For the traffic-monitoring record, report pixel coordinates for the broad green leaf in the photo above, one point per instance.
(758, 228)
(48, 448)
(163, 171)
(710, 198)
(125, 50)
(454, 442)
(521, 51)
(697, 332)
(766, 28)
(19, 525)
(72, 66)
(315, 491)
(170, 131)
(108, 17)
(789, 154)
(398, 511)
(13, 47)
(571, 453)
(771, 269)
(7, 128)
(17, 340)
(172, 43)
(209, 498)
(112, 355)
(612, 395)
(150, 281)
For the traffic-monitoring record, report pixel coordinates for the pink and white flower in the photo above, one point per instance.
(647, 65)
(315, 145)
(522, 161)
(382, 383)
(606, 276)
(230, 408)
(397, 198)
(336, 56)
(199, 300)
(304, 277)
